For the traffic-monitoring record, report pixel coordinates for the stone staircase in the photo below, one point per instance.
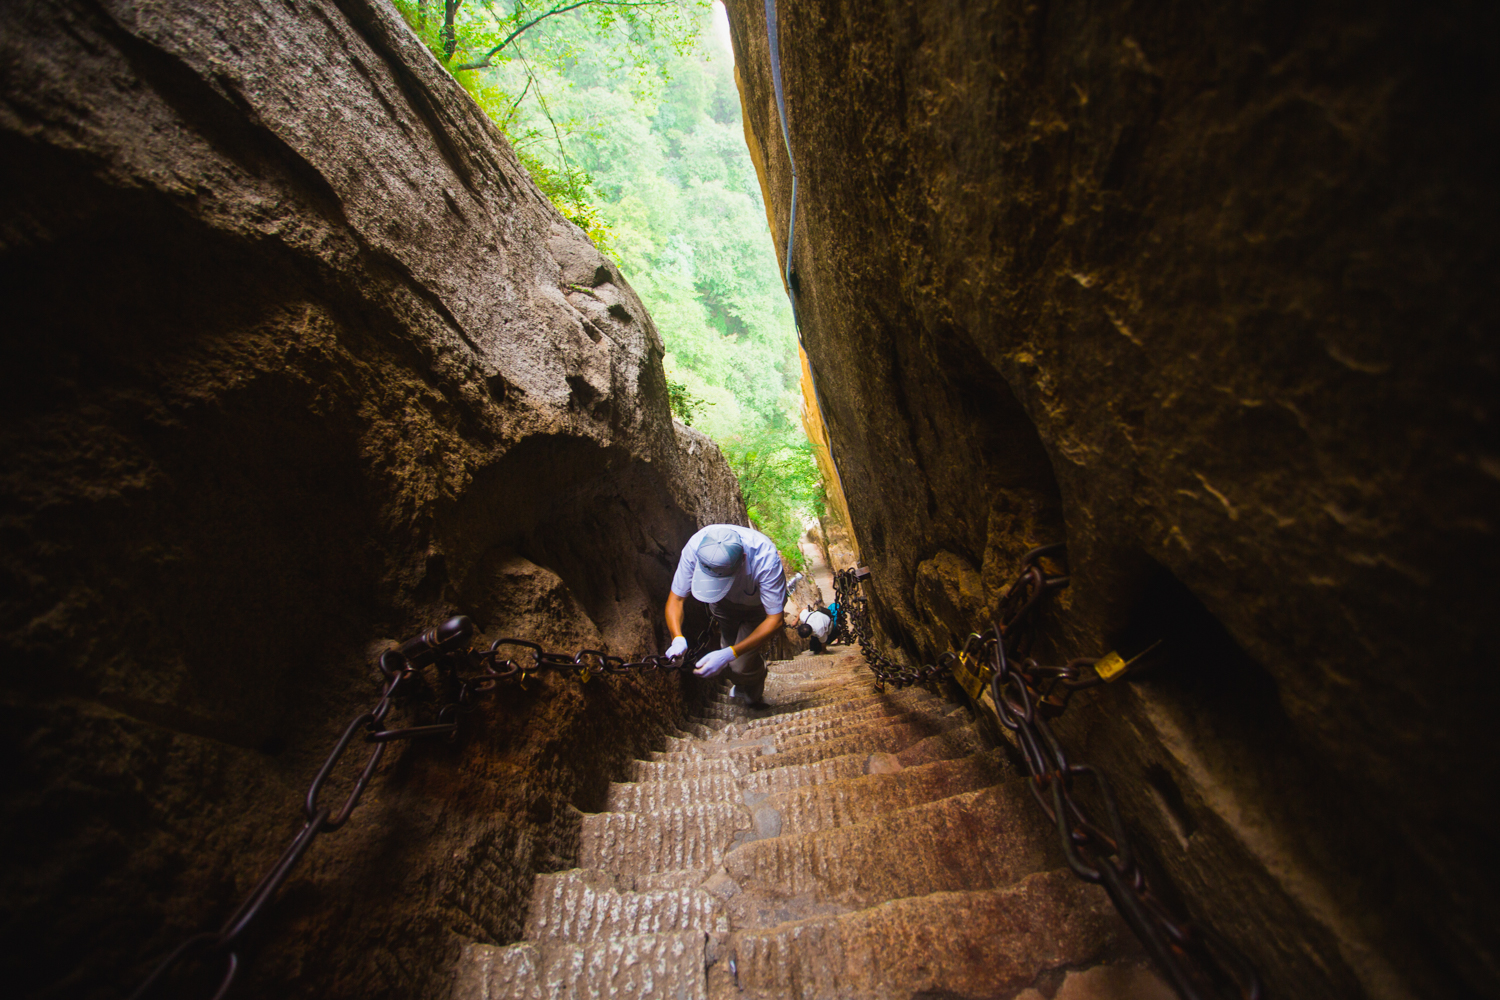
(841, 844)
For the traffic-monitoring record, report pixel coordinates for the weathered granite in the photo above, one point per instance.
(1208, 293)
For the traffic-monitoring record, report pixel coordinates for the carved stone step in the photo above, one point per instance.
(979, 840)
(844, 844)
(820, 730)
(858, 800)
(646, 966)
(791, 721)
(693, 838)
(781, 779)
(654, 796)
(816, 720)
(955, 743)
(582, 906)
(880, 730)
(715, 786)
(897, 701)
(955, 944)
(782, 700)
(694, 730)
(885, 737)
(680, 770)
(740, 751)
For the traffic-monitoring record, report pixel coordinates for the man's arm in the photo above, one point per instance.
(674, 615)
(682, 581)
(762, 632)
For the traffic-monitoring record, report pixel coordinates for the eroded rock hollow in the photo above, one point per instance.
(1206, 293)
(300, 362)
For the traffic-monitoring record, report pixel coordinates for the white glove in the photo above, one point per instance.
(714, 663)
(678, 647)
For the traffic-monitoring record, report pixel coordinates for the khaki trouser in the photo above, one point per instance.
(736, 622)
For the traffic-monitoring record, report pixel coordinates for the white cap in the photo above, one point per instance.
(720, 555)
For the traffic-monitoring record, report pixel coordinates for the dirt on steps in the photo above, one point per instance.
(843, 843)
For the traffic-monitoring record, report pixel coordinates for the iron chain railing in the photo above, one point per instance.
(463, 675)
(1197, 963)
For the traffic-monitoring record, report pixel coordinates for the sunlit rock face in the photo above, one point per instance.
(298, 362)
(1209, 295)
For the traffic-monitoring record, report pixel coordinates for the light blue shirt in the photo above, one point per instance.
(759, 576)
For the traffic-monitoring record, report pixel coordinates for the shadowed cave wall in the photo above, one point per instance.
(1206, 292)
(299, 362)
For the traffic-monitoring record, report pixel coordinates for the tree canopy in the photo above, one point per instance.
(628, 118)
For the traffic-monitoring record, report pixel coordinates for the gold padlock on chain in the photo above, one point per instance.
(972, 674)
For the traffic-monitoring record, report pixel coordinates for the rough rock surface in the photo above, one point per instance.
(1207, 293)
(299, 361)
(842, 843)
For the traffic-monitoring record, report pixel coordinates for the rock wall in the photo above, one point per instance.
(1207, 293)
(300, 362)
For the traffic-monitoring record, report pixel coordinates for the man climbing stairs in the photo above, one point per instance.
(844, 843)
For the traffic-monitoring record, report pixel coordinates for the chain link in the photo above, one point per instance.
(463, 675)
(1196, 962)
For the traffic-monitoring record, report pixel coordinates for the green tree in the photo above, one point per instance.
(628, 117)
(780, 483)
(472, 36)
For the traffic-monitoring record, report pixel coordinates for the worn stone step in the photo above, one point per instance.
(965, 944)
(585, 905)
(871, 706)
(840, 824)
(887, 738)
(655, 796)
(894, 701)
(809, 720)
(829, 680)
(957, 742)
(646, 966)
(854, 726)
(769, 741)
(782, 697)
(680, 770)
(813, 665)
(722, 713)
(783, 694)
(808, 672)
(794, 725)
(978, 840)
(780, 779)
(694, 730)
(886, 726)
(857, 800)
(810, 680)
(692, 838)
(739, 751)
(723, 786)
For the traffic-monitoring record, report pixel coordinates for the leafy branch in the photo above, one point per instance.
(682, 401)
(485, 62)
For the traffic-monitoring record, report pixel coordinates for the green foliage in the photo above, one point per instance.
(483, 44)
(780, 482)
(684, 404)
(629, 121)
